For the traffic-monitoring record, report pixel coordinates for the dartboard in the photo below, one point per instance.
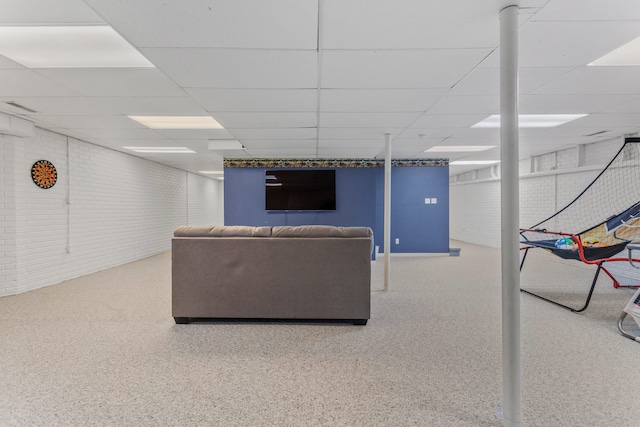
(44, 174)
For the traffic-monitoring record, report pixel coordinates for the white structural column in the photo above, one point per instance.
(510, 198)
(387, 210)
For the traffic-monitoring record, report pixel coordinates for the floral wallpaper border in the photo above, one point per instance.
(329, 163)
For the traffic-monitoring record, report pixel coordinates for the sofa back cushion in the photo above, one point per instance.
(223, 231)
(320, 231)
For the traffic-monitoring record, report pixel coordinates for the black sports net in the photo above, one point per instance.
(606, 213)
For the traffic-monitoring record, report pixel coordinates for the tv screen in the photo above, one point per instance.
(300, 190)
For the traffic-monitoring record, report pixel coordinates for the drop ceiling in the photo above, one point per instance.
(328, 78)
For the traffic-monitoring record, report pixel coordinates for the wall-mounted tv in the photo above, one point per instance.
(300, 190)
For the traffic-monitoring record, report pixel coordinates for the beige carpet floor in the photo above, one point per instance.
(103, 350)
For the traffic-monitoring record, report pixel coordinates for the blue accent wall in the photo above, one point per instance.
(420, 228)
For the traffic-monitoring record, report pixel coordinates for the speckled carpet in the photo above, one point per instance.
(104, 350)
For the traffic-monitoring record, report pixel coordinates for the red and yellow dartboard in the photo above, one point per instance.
(44, 174)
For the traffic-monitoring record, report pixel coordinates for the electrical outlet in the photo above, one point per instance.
(434, 201)
(427, 201)
(397, 241)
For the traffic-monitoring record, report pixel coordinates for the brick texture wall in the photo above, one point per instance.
(205, 200)
(107, 208)
(554, 182)
(8, 273)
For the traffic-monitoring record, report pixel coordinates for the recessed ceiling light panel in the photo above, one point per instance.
(178, 122)
(531, 120)
(627, 55)
(68, 47)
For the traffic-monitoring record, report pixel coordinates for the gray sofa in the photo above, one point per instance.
(287, 272)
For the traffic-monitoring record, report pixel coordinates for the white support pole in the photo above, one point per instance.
(387, 210)
(511, 353)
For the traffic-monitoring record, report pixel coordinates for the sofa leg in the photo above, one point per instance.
(360, 321)
(181, 320)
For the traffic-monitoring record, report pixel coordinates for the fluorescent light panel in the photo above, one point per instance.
(177, 122)
(626, 55)
(162, 150)
(473, 162)
(68, 46)
(211, 172)
(458, 148)
(531, 120)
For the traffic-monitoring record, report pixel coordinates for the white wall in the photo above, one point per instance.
(547, 183)
(8, 273)
(107, 208)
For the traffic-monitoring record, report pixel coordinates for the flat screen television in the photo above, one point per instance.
(300, 190)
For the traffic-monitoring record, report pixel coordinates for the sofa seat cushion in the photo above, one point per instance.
(320, 231)
(223, 231)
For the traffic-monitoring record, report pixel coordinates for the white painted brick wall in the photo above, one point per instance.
(122, 208)
(8, 271)
(475, 207)
(602, 152)
(41, 215)
(204, 194)
(537, 199)
(567, 159)
(545, 162)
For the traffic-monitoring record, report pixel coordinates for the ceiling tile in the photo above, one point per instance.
(90, 122)
(26, 82)
(195, 133)
(607, 120)
(419, 24)
(408, 152)
(276, 24)
(239, 68)
(589, 10)
(153, 105)
(488, 135)
(595, 80)
(119, 133)
(255, 99)
(568, 44)
(420, 141)
(234, 120)
(431, 68)
(486, 81)
(59, 106)
(378, 100)
(141, 142)
(448, 120)
(274, 134)
(417, 132)
(268, 143)
(369, 120)
(352, 143)
(253, 65)
(348, 153)
(114, 81)
(632, 106)
(356, 133)
(33, 12)
(283, 153)
(6, 63)
(560, 104)
(466, 105)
